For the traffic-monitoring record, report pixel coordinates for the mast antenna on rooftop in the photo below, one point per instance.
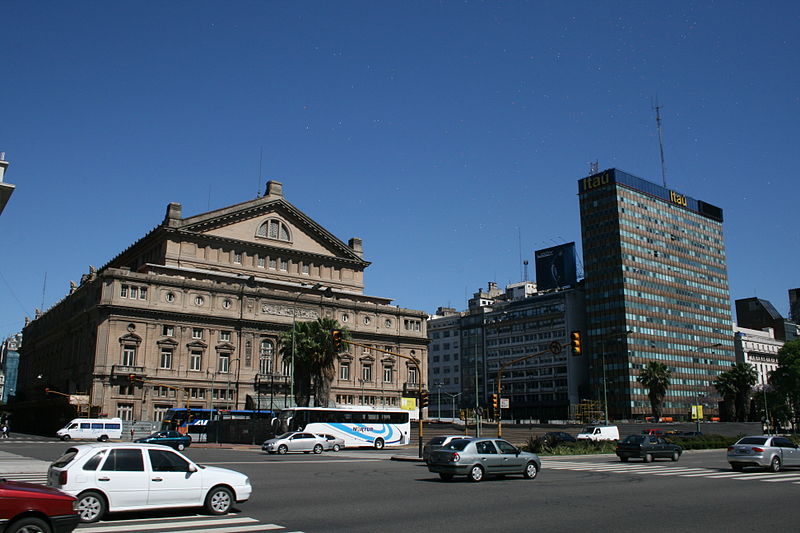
(660, 143)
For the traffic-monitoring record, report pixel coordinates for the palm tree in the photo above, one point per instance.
(314, 359)
(656, 377)
(743, 377)
(727, 389)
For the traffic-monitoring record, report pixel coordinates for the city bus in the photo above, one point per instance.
(195, 421)
(358, 427)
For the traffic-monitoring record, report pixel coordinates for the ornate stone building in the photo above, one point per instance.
(195, 310)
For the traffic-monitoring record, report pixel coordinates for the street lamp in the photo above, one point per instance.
(697, 393)
(294, 323)
(438, 385)
(228, 390)
(610, 336)
(453, 403)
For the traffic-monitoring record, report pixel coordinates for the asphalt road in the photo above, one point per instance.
(364, 491)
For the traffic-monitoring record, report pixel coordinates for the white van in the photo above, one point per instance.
(101, 429)
(597, 433)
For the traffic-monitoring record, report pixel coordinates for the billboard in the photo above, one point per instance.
(555, 267)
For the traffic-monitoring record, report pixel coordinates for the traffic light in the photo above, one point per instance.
(423, 399)
(575, 342)
(495, 401)
(337, 339)
(131, 377)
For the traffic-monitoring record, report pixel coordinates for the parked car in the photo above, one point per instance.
(135, 476)
(647, 448)
(598, 433)
(772, 453)
(295, 441)
(476, 458)
(170, 438)
(556, 437)
(436, 443)
(32, 508)
(332, 442)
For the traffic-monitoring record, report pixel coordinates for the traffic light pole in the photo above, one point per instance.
(337, 337)
(555, 349)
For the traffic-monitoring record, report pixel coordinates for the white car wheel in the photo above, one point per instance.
(219, 500)
(91, 507)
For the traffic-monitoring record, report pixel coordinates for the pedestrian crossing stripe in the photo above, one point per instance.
(658, 470)
(175, 524)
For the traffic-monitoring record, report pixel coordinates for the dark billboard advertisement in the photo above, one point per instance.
(555, 267)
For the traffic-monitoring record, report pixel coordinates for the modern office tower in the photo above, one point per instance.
(794, 305)
(656, 290)
(756, 313)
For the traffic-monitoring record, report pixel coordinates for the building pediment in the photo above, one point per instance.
(130, 338)
(225, 347)
(271, 222)
(197, 345)
(167, 342)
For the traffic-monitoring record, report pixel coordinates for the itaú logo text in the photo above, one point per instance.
(679, 199)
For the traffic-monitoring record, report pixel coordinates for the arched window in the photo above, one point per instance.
(274, 229)
(265, 357)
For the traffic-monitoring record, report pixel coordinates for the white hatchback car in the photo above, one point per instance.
(109, 477)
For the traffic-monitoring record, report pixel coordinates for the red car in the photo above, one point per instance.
(32, 508)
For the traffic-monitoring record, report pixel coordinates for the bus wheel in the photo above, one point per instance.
(378, 443)
(103, 438)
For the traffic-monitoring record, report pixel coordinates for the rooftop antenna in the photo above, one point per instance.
(594, 167)
(519, 242)
(660, 143)
(260, 159)
(44, 288)
(525, 264)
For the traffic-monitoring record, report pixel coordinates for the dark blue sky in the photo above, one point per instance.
(449, 136)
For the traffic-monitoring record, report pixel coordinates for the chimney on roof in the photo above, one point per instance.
(357, 246)
(274, 188)
(174, 215)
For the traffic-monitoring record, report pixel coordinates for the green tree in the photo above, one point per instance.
(736, 385)
(655, 377)
(314, 359)
(786, 377)
(726, 389)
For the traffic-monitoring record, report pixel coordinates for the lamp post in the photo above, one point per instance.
(438, 385)
(453, 403)
(698, 393)
(228, 389)
(610, 336)
(294, 323)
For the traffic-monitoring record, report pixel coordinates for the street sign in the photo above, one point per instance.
(555, 347)
(504, 403)
(697, 412)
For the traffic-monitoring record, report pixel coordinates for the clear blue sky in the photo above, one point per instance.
(449, 135)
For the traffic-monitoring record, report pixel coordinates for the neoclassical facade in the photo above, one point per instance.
(194, 312)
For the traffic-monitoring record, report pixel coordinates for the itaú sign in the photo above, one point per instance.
(593, 182)
(679, 199)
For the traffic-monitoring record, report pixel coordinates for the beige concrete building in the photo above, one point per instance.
(195, 310)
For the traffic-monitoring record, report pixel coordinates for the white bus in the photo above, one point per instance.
(358, 427)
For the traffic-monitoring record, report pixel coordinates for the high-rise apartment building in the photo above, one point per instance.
(656, 290)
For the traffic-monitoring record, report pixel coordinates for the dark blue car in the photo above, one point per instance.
(168, 438)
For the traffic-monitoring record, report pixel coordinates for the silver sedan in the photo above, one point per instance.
(477, 458)
(295, 441)
(763, 451)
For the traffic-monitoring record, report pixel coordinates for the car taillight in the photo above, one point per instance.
(759, 450)
(62, 478)
(455, 457)
(730, 448)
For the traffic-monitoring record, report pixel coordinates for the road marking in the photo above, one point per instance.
(290, 462)
(133, 526)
